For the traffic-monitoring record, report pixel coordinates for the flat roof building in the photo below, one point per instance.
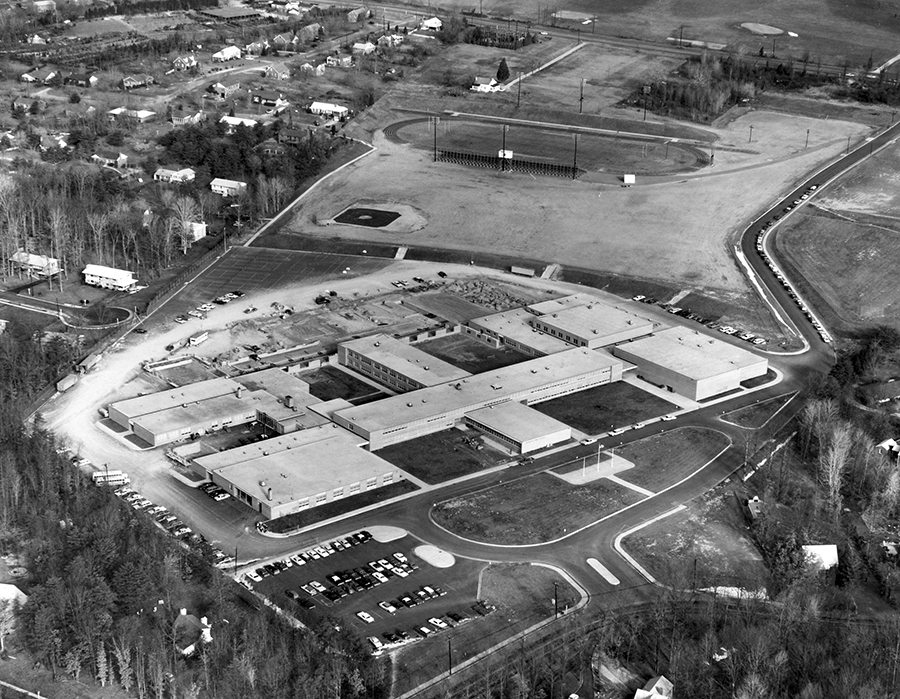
(294, 472)
(692, 363)
(514, 329)
(592, 324)
(400, 418)
(518, 426)
(109, 278)
(396, 364)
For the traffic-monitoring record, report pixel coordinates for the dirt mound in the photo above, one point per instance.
(764, 29)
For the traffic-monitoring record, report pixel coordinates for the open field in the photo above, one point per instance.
(606, 407)
(825, 27)
(531, 510)
(598, 226)
(471, 355)
(546, 145)
(664, 459)
(847, 270)
(712, 533)
(523, 595)
(755, 416)
(443, 456)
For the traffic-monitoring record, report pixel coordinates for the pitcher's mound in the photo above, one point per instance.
(435, 556)
(764, 29)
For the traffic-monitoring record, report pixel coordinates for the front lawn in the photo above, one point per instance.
(531, 510)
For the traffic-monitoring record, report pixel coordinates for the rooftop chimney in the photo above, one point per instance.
(238, 391)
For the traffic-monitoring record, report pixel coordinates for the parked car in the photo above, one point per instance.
(366, 617)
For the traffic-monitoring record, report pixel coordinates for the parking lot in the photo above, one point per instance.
(382, 590)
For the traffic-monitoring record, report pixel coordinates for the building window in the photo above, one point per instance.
(320, 498)
(371, 482)
(338, 493)
(354, 488)
(388, 478)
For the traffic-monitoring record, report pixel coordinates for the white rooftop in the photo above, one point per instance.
(596, 320)
(108, 272)
(690, 353)
(298, 465)
(191, 393)
(516, 325)
(517, 421)
(478, 389)
(406, 359)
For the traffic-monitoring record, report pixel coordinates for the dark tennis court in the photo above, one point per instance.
(373, 218)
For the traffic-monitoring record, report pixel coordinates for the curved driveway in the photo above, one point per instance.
(597, 541)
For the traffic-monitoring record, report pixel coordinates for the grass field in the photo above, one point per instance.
(712, 532)
(443, 456)
(531, 510)
(328, 382)
(755, 416)
(664, 459)
(298, 520)
(846, 247)
(824, 27)
(606, 407)
(593, 152)
(523, 595)
(471, 355)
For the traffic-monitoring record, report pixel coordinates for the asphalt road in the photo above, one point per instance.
(597, 541)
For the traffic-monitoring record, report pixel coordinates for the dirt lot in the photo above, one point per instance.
(755, 416)
(664, 459)
(605, 407)
(531, 510)
(711, 532)
(621, 230)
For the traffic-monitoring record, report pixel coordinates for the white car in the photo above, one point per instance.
(437, 623)
(366, 617)
(388, 607)
(297, 560)
(195, 314)
(399, 557)
(319, 587)
(667, 417)
(254, 576)
(380, 577)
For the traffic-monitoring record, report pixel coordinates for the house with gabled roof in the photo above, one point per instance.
(229, 53)
(310, 32)
(110, 158)
(225, 88)
(363, 48)
(277, 71)
(658, 687)
(185, 62)
(81, 79)
(130, 82)
(288, 40)
(183, 117)
(191, 633)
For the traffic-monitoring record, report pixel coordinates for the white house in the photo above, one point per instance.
(110, 158)
(185, 174)
(233, 122)
(390, 40)
(109, 278)
(277, 71)
(229, 53)
(434, 24)
(484, 85)
(339, 61)
(37, 265)
(191, 633)
(227, 188)
(363, 48)
(655, 688)
(334, 111)
(142, 115)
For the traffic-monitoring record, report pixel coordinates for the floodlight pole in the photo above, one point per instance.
(556, 600)
(750, 140)
(504, 129)
(519, 91)
(581, 98)
(807, 139)
(434, 122)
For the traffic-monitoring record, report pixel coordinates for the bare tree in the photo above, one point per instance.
(186, 211)
(98, 221)
(833, 462)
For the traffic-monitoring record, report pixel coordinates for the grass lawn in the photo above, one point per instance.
(471, 355)
(755, 416)
(443, 456)
(531, 510)
(602, 408)
(523, 595)
(328, 383)
(299, 520)
(664, 459)
(712, 532)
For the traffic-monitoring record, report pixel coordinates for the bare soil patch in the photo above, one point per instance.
(664, 459)
(531, 510)
(755, 416)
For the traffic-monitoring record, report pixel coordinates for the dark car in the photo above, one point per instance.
(140, 331)
(307, 604)
(292, 594)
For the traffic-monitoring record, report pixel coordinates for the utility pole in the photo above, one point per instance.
(435, 120)
(750, 140)
(575, 158)
(807, 139)
(449, 658)
(504, 129)
(556, 599)
(519, 90)
(581, 98)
